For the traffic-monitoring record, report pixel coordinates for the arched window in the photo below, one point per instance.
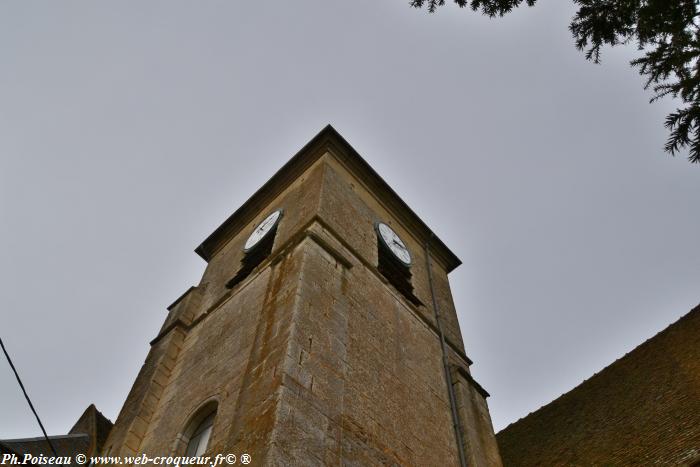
(200, 437)
(196, 435)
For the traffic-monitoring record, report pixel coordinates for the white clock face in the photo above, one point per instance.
(395, 244)
(262, 229)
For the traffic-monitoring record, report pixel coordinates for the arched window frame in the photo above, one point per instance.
(183, 438)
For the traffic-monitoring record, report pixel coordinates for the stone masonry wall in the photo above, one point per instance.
(314, 358)
(351, 210)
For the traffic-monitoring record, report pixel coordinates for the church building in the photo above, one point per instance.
(323, 332)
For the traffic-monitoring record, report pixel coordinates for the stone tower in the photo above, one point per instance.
(323, 332)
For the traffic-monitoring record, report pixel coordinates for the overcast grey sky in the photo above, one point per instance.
(130, 130)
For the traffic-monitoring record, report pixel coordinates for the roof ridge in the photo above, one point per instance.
(41, 438)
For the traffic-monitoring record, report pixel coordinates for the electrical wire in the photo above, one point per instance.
(26, 396)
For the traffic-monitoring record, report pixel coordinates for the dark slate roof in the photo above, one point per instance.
(6, 449)
(86, 437)
(66, 445)
(328, 139)
(643, 409)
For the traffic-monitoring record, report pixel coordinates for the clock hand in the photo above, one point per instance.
(264, 225)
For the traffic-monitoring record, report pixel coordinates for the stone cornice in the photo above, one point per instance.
(309, 232)
(470, 379)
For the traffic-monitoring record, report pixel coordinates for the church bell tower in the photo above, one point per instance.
(322, 332)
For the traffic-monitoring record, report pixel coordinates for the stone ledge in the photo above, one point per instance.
(308, 231)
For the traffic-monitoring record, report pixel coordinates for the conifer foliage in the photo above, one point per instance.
(666, 32)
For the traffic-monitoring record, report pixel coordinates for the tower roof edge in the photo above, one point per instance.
(326, 140)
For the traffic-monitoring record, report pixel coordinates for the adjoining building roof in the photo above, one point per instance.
(65, 445)
(96, 425)
(327, 139)
(86, 437)
(644, 409)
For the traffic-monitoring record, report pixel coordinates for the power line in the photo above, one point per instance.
(26, 396)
